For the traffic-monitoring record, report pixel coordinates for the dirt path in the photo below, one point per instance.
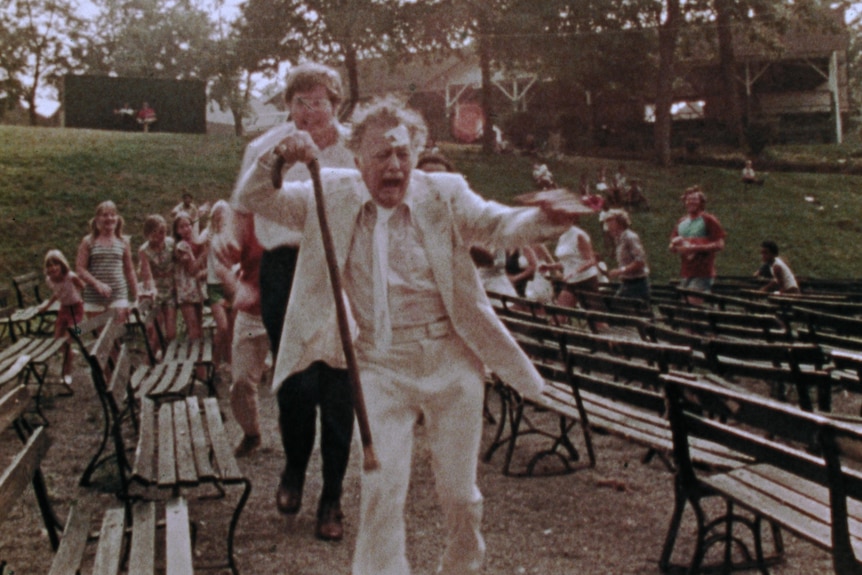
(610, 519)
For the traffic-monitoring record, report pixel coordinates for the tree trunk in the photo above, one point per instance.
(237, 121)
(732, 107)
(30, 95)
(487, 88)
(487, 102)
(31, 111)
(667, 36)
(352, 80)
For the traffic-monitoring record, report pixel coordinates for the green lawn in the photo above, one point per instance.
(51, 181)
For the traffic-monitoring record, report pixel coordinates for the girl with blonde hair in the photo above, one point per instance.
(104, 263)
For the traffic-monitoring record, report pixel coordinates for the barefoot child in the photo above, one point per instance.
(104, 262)
(220, 221)
(156, 257)
(189, 273)
(66, 288)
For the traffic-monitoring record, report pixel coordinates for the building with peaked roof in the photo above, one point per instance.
(446, 90)
(797, 83)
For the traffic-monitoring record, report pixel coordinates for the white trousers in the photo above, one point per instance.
(443, 379)
(248, 356)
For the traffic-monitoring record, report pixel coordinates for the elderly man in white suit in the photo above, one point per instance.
(425, 327)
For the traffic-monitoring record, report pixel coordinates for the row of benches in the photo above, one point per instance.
(783, 363)
(777, 461)
(178, 440)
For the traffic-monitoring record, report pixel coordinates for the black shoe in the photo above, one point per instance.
(329, 526)
(288, 500)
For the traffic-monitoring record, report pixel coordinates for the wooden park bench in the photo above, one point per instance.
(598, 321)
(836, 305)
(623, 396)
(178, 440)
(545, 345)
(127, 539)
(830, 330)
(726, 302)
(121, 386)
(804, 477)
(516, 306)
(711, 322)
(28, 318)
(183, 445)
(797, 365)
(199, 352)
(592, 400)
(614, 304)
(41, 351)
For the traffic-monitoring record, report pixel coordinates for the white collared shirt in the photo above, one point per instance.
(409, 296)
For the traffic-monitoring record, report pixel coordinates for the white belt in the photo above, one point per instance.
(433, 330)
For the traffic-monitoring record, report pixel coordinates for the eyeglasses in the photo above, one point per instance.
(313, 104)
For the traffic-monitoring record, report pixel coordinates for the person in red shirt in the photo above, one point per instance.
(146, 116)
(250, 340)
(696, 238)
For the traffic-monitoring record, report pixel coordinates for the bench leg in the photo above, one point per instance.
(233, 523)
(719, 531)
(562, 440)
(486, 411)
(505, 399)
(516, 414)
(97, 460)
(679, 503)
(40, 375)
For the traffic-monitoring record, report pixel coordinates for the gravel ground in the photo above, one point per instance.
(609, 519)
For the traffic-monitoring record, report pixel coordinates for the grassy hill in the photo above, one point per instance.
(52, 179)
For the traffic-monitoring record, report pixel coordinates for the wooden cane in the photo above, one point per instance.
(370, 462)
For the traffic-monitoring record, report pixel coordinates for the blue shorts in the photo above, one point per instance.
(697, 284)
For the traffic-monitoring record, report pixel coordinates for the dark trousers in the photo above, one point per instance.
(635, 289)
(277, 268)
(299, 397)
(301, 394)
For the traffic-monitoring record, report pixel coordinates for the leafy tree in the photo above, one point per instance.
(334, 31)
(12, 61)
(230, 84)
(152, 38)
(39, 47)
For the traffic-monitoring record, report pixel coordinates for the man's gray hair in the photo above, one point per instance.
(388, 111)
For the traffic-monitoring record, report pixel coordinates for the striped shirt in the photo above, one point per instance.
(106, 265)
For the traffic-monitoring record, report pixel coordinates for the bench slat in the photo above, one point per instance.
(13, 405)
(777, 510)
(143, 548)
(199, 440)
(145, 454)
(163, 384)
(186, 471)
(20, 471)
(144, 379)
(14, 350)
(109, 551)
(67, 561)
(221, 448)
(178, 552)
(167, 456)
(183, 379)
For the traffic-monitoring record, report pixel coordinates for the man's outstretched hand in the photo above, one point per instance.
(560, 205)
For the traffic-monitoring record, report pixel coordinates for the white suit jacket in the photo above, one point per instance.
(450, 218)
